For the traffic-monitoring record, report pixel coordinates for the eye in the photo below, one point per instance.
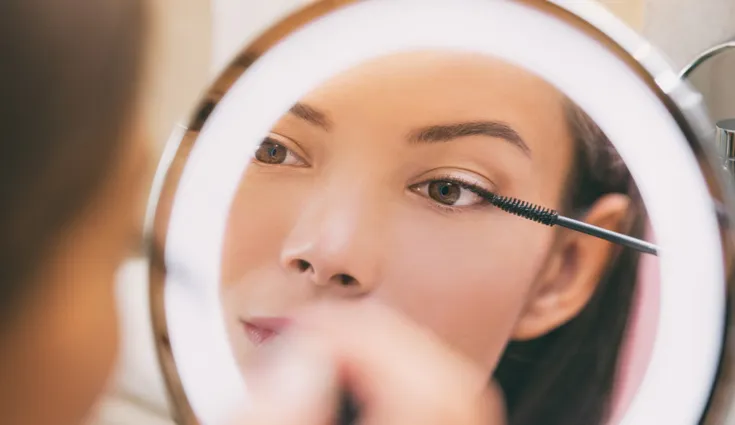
(451, 193)
(272, 152)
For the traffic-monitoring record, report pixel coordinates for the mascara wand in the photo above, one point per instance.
(552, 218)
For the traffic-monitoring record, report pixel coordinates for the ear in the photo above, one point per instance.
(574, 268)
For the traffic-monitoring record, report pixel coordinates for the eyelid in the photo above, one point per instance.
(460, 176)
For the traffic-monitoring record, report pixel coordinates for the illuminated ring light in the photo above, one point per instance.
(635, 108)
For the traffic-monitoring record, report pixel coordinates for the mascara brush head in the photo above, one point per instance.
(525, 209)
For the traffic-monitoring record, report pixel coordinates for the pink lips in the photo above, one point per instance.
(260, 329)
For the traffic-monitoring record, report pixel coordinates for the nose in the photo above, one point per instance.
(325, 277)
(334, 244)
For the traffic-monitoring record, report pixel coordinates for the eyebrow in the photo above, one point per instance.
(430, 134)
(445, 133)
(311, 115)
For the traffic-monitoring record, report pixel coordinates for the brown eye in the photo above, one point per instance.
(451, 193)
(270, 152)
(273, 152)
(445, 192)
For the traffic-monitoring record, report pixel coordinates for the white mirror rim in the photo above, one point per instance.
(685, 355)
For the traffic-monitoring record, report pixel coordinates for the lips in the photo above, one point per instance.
(261, 329)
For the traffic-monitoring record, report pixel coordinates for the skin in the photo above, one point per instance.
(382, 357)
(349, 215)
(57, 357)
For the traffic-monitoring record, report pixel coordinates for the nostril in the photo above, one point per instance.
(303, 265)
(346, 280)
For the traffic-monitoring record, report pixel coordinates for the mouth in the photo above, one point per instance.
(262, 329)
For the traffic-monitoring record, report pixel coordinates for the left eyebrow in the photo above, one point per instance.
(449, 132)
(311, 115)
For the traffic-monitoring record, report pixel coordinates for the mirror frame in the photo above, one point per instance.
(681, 102)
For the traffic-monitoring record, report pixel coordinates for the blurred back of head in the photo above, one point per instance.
(69, 72)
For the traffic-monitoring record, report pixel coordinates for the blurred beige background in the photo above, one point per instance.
(192, 39)
(179, 61)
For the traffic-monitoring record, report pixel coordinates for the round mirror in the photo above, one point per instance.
(528, 181)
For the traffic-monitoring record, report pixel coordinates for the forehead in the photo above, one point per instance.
(451, 83)
(400, 92)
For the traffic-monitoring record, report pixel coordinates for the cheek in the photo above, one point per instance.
(467, 281)
(260, 219)
(262, 216)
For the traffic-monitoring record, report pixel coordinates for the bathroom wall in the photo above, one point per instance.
(630, 11)
(195, 38)
(684, 28)
(235, 22)
(179, 62)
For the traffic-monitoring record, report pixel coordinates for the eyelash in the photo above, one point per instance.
(464, 184)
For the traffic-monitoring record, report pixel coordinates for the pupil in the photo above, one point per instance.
(270, 152)
(444, 192)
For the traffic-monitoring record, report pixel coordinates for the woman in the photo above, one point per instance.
(72, 168)
(368, 189)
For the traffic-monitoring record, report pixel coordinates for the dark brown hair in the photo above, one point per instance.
(566, 376)
(68, 74)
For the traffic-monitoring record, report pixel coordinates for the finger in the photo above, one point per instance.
(495, 408)
(293, 381)
(395, 368)
(378, 340)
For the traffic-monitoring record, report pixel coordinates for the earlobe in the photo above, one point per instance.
(573, 271)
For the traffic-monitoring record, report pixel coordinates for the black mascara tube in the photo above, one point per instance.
(349, 412)
(607, 235)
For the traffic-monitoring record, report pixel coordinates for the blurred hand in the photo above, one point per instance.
(398, 373)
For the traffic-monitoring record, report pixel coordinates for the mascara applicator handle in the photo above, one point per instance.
(552, 218)
(607, 235)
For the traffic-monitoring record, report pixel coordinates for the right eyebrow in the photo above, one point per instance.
(311, 115)
(449, 132)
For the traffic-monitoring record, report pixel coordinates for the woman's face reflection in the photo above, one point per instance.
(362, 191)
